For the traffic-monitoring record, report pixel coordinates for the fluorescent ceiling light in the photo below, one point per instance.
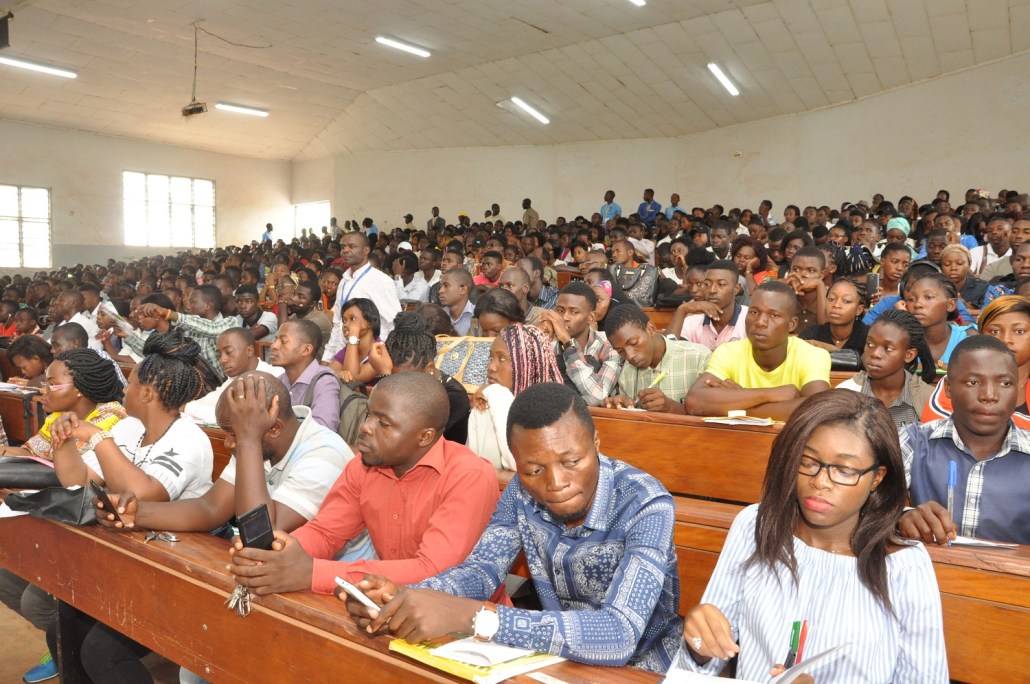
(36, 66)
(396, 44)
(240, 109)
(521, 104)
(639, 3)
(726, 83)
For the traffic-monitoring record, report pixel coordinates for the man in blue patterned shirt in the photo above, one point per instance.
(597, 535)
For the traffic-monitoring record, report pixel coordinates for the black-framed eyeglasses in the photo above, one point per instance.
(842, 475)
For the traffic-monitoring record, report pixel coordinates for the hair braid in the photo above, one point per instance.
(909, 325)
(532, 357)
(410, 341)
(170, 364)
(94, 376)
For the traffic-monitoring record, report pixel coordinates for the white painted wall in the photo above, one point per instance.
(966, 129)
(84, 173)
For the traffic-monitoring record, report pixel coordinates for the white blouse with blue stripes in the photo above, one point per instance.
(761, 607)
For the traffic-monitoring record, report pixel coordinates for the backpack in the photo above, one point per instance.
(353, 405)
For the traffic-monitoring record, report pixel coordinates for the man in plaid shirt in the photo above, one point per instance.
(587, 362)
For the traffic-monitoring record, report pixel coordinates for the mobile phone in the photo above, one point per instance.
(256, 528)
(356, 593)
(872, 283)
(99, 492)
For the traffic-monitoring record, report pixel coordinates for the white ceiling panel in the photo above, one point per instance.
(600, 69)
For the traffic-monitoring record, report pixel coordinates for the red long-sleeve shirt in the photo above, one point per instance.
(422, 523)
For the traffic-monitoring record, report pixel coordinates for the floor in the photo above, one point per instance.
(22, 645)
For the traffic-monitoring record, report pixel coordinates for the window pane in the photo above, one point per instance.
(204, 193)
(35, 203)
(182, 191)
(135, 186)
(8, 201)
(205, 226)
(135, 220)
(9, 247)
(157, 188)
(159, 227)
(36, 238)
(182, 225)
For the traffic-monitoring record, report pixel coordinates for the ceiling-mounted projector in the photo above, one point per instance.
(194, 108)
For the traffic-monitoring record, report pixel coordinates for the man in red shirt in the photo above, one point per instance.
(424, 501)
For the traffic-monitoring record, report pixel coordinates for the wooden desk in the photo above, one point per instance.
(690, 457)
(7, 369)
(660, 317)
(22, 414)
(170, 598)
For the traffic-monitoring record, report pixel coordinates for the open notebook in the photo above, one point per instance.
(678, 674)
(477, 661)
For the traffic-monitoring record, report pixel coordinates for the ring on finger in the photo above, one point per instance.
(697, 642)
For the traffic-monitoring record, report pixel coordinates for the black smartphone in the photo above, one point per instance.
(872, 283)
(99, 492)
(256, 528)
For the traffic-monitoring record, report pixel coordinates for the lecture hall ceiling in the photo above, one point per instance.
(599, 69)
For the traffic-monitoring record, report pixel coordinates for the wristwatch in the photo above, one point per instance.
(569, 345)
(353, 339)
(96, 439)
(486, 623)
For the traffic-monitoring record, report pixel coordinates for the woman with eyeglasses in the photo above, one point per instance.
(821, 549)
(82, 382)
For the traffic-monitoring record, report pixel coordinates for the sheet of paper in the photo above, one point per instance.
(983, 543)
(679, 674)
(809, 664)
(482, 653)
(740, 420)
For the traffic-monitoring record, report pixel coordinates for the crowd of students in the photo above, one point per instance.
(763, 310)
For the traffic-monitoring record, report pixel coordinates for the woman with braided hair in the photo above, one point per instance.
(152, 453)
(83, 384)
(899, 368)
(521, 356)
(410, 346)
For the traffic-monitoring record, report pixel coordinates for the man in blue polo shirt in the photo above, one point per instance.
(649, 209)
(991, 455)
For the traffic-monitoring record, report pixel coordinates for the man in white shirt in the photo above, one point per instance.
(70, 305)
(361, 279)
(237, 354)
(999, 230)
(429, 266)
(409, 288)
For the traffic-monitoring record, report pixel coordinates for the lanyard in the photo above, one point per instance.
(353, 285)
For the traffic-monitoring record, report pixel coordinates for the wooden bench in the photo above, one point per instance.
(660, 317)
(7, 369)
(170, 597)
(21, 413)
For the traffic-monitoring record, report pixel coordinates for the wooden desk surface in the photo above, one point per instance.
(19, 426)
(170, 597)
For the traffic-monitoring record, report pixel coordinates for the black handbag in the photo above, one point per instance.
(845, 360)
(25, 473)
(72, 506)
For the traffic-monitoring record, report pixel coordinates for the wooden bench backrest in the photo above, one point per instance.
(7, 369)
(690, 457)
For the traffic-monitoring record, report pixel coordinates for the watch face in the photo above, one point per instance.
(352, 339)
(487, 624)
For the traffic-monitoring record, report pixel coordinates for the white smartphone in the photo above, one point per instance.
(356, 593)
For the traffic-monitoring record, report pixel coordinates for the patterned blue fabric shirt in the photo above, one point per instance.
(609, 588)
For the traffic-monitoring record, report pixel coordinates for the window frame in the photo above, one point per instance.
(21, 220)
(147, 202)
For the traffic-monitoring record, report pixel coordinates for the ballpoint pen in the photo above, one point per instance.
(654, 383)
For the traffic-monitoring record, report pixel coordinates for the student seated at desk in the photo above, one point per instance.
(598, 537)
(585, 358)
(520, 356)
(361, 328)
(281, 458)
(310, 384)
(821, 548)
(648, 355)
(717, 317)
(407, 473)
(31, 355)
(932, 300)
(991, 455)
(899, 369)
(81, 383)
(237, 354)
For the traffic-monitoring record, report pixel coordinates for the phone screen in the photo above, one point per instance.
(256, 528)
(99, 492)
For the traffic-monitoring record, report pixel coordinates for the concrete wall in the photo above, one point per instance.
(966, 129)
(84, 174)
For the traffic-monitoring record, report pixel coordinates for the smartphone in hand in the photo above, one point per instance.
(99, 492)
(356, 593)
(256, 528)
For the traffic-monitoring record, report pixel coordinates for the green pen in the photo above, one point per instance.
(795, 637)
(654, 383)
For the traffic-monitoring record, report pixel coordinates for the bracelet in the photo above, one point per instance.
(96, 439)
(168, 314)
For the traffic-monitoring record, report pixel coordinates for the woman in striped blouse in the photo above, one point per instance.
(821, 547)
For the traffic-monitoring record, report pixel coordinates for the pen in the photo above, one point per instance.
(801, 641)
(654, 383)
(952, 481)
(795, 636)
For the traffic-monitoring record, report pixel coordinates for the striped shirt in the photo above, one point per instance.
(761, 606)
(991, 494)
(609, 588)
(205, 332)
(682, 363)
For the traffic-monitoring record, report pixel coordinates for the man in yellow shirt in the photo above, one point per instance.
(770, 372)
